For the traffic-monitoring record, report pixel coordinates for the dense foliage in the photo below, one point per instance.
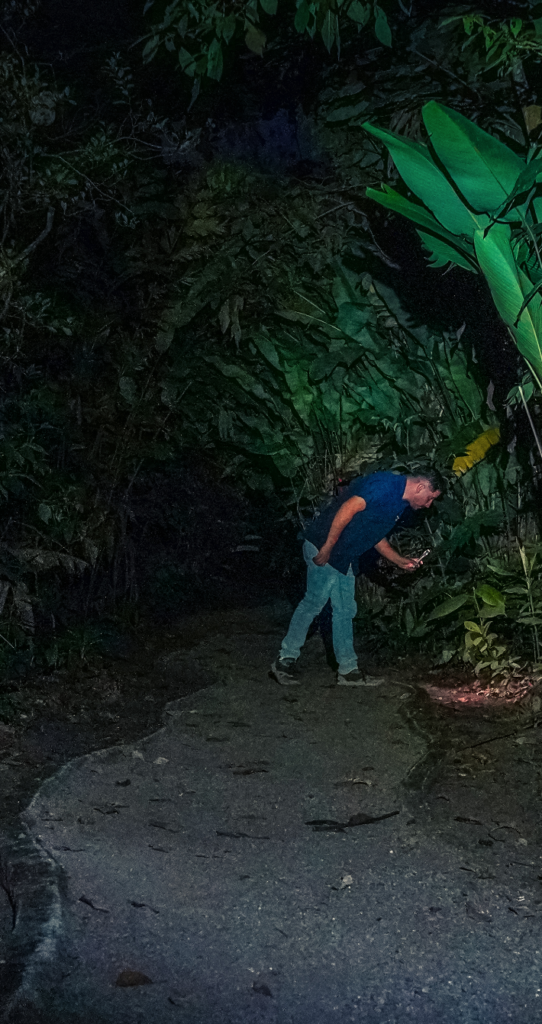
(185, 332)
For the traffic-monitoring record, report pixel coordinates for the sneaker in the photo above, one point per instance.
(357, 678)
(285, 671)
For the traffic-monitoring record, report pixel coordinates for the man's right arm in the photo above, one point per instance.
(345, 514)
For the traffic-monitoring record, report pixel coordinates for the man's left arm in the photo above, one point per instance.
(385, 549)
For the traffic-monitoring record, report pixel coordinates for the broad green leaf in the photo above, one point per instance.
(345, 285)
(45, 512)
(214, 60)
(420, 215)
(529, 175)
(224, 424)
(467, 392)
(228, 28)
(490, 611)
(382, 28)
(423, 177)
(187, 61)
(441, 253)
(352, 319)
(359, 12)
(470, 529)
(449, 606)
(324, 365)
(128, 390)
(472, 626)
(489, 595)
(496, 259)
(476, 450)
(346, 113)
(150, 48)
(238, 373)
(484, 169)
(486, 478)
(268, 350)
(255, 39)
(302, 16)
(330, 30)
(269, 6)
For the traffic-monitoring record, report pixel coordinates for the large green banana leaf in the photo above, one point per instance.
(488, 174)
(509, 286)
(419, 171)
(441, 253)
(392, 200)
(484, 169)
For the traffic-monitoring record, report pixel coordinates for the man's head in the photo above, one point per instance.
(422, 488)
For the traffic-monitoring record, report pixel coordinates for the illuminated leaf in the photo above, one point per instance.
(419, 215)
(449, 606)
(509, 287)
(302, 17)
(483, 168)
(420, 172)
(255, 39)
(382, 28)
(214, 60)
(330, 30)
(441, 253)
(490, 595)
(476, 450)
(359, 12)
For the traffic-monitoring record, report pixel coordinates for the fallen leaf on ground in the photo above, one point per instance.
(178, 999)
(476, 914)
(127, 979)
(89, 903)
(239, 835)
(329, 825)
(353, 782)
(137, 753)
(262, 990)
(161, 760)
(139, 906)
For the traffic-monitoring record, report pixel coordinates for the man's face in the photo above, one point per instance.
(423, 496)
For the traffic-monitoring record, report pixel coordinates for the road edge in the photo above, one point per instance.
(32, 881)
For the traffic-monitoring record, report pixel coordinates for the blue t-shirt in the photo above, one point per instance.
(383, 493)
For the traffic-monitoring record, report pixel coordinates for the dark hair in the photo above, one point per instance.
(435, 480)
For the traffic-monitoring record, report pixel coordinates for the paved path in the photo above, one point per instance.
(188, 859)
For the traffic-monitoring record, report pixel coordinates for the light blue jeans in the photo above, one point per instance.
(325, 583)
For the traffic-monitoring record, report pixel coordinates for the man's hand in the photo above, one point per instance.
(322, 558)
(385, 549)
(408, 564)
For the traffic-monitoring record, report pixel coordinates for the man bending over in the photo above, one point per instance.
(359, 519)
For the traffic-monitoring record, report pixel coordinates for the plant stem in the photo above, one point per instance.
(529, 417)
